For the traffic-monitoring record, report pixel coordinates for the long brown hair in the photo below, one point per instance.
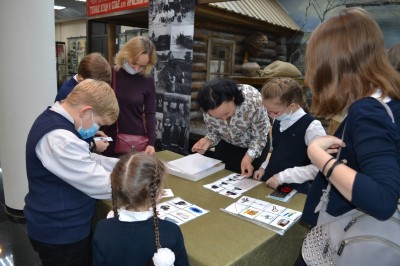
(346, 61)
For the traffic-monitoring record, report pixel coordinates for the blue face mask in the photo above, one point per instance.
(90, 132)
(284, 116)
(129, 69)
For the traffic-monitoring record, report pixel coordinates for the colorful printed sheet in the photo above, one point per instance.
(179, 211)
(272, 216)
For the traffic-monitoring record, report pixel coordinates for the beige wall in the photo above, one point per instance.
(64, 30)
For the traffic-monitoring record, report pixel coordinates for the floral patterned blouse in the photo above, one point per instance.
(247, 128)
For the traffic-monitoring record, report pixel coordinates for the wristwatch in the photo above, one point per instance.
(92, 146)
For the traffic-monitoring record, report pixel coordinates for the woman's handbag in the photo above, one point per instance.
(125, 143)
(354, 238)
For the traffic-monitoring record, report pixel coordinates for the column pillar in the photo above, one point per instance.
(28, 84)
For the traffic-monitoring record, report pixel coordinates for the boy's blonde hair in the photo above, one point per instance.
(133, 49)
(97, 94)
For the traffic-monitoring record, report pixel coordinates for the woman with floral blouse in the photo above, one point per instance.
(237, 125)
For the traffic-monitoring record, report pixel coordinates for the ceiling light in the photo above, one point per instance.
(59, 7)
(81, 0)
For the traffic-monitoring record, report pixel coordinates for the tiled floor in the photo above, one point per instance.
(15, 248)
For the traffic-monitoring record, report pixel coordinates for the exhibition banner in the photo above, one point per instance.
(171, 28)
(101, 7)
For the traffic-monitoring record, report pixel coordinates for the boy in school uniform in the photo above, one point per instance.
(64, 177)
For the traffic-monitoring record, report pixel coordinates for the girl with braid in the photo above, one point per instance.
(135, 235)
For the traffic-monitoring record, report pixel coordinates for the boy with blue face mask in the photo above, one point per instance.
(292, 130)
(90, 132)
(64, 177)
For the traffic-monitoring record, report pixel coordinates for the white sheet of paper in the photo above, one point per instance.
(103, 138)
(167, 193)
(194, 163)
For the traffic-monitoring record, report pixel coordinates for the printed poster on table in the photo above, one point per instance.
(179, 211)
(266, 214)
(233, 185)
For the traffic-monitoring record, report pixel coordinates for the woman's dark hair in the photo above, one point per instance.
(217, 91)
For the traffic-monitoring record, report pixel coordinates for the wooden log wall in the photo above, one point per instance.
(275, 50)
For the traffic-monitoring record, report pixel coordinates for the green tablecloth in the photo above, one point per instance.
(218, 238)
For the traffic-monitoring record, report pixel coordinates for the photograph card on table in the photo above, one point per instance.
(282, 193)
(233, 185)
(266, 214)
(179, 211)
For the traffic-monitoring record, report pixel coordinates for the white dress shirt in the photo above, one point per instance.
(299, 174)
(69, 158)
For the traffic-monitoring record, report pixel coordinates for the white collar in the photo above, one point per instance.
(131, 216)
(378, 94)
(58, 108)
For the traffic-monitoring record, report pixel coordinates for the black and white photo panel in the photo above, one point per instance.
(174, 72)
(182, 38)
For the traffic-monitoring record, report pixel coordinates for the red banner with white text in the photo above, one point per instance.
(101, 7)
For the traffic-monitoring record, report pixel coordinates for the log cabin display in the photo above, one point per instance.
(224, 33)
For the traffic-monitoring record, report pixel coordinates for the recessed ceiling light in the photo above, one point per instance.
(59, 7)
(81, 0)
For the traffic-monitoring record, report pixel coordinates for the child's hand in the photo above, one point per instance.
(329, 144)
(150, 150)
(259, 174)
(101, 145)
(100, 133)
(273, 182)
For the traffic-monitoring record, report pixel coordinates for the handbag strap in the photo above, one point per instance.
(323, 203)
(386, 107)
(114, 83)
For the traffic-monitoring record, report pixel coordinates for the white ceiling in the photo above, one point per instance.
(74, 10)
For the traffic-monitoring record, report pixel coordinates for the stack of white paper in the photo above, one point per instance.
(194, 166)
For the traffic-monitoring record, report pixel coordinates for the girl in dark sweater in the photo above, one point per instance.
(293, 129)
(135, 235)
(347, 67)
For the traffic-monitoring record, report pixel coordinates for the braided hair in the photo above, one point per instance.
(136, 181)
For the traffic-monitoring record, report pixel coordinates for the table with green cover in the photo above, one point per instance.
(218, 238)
